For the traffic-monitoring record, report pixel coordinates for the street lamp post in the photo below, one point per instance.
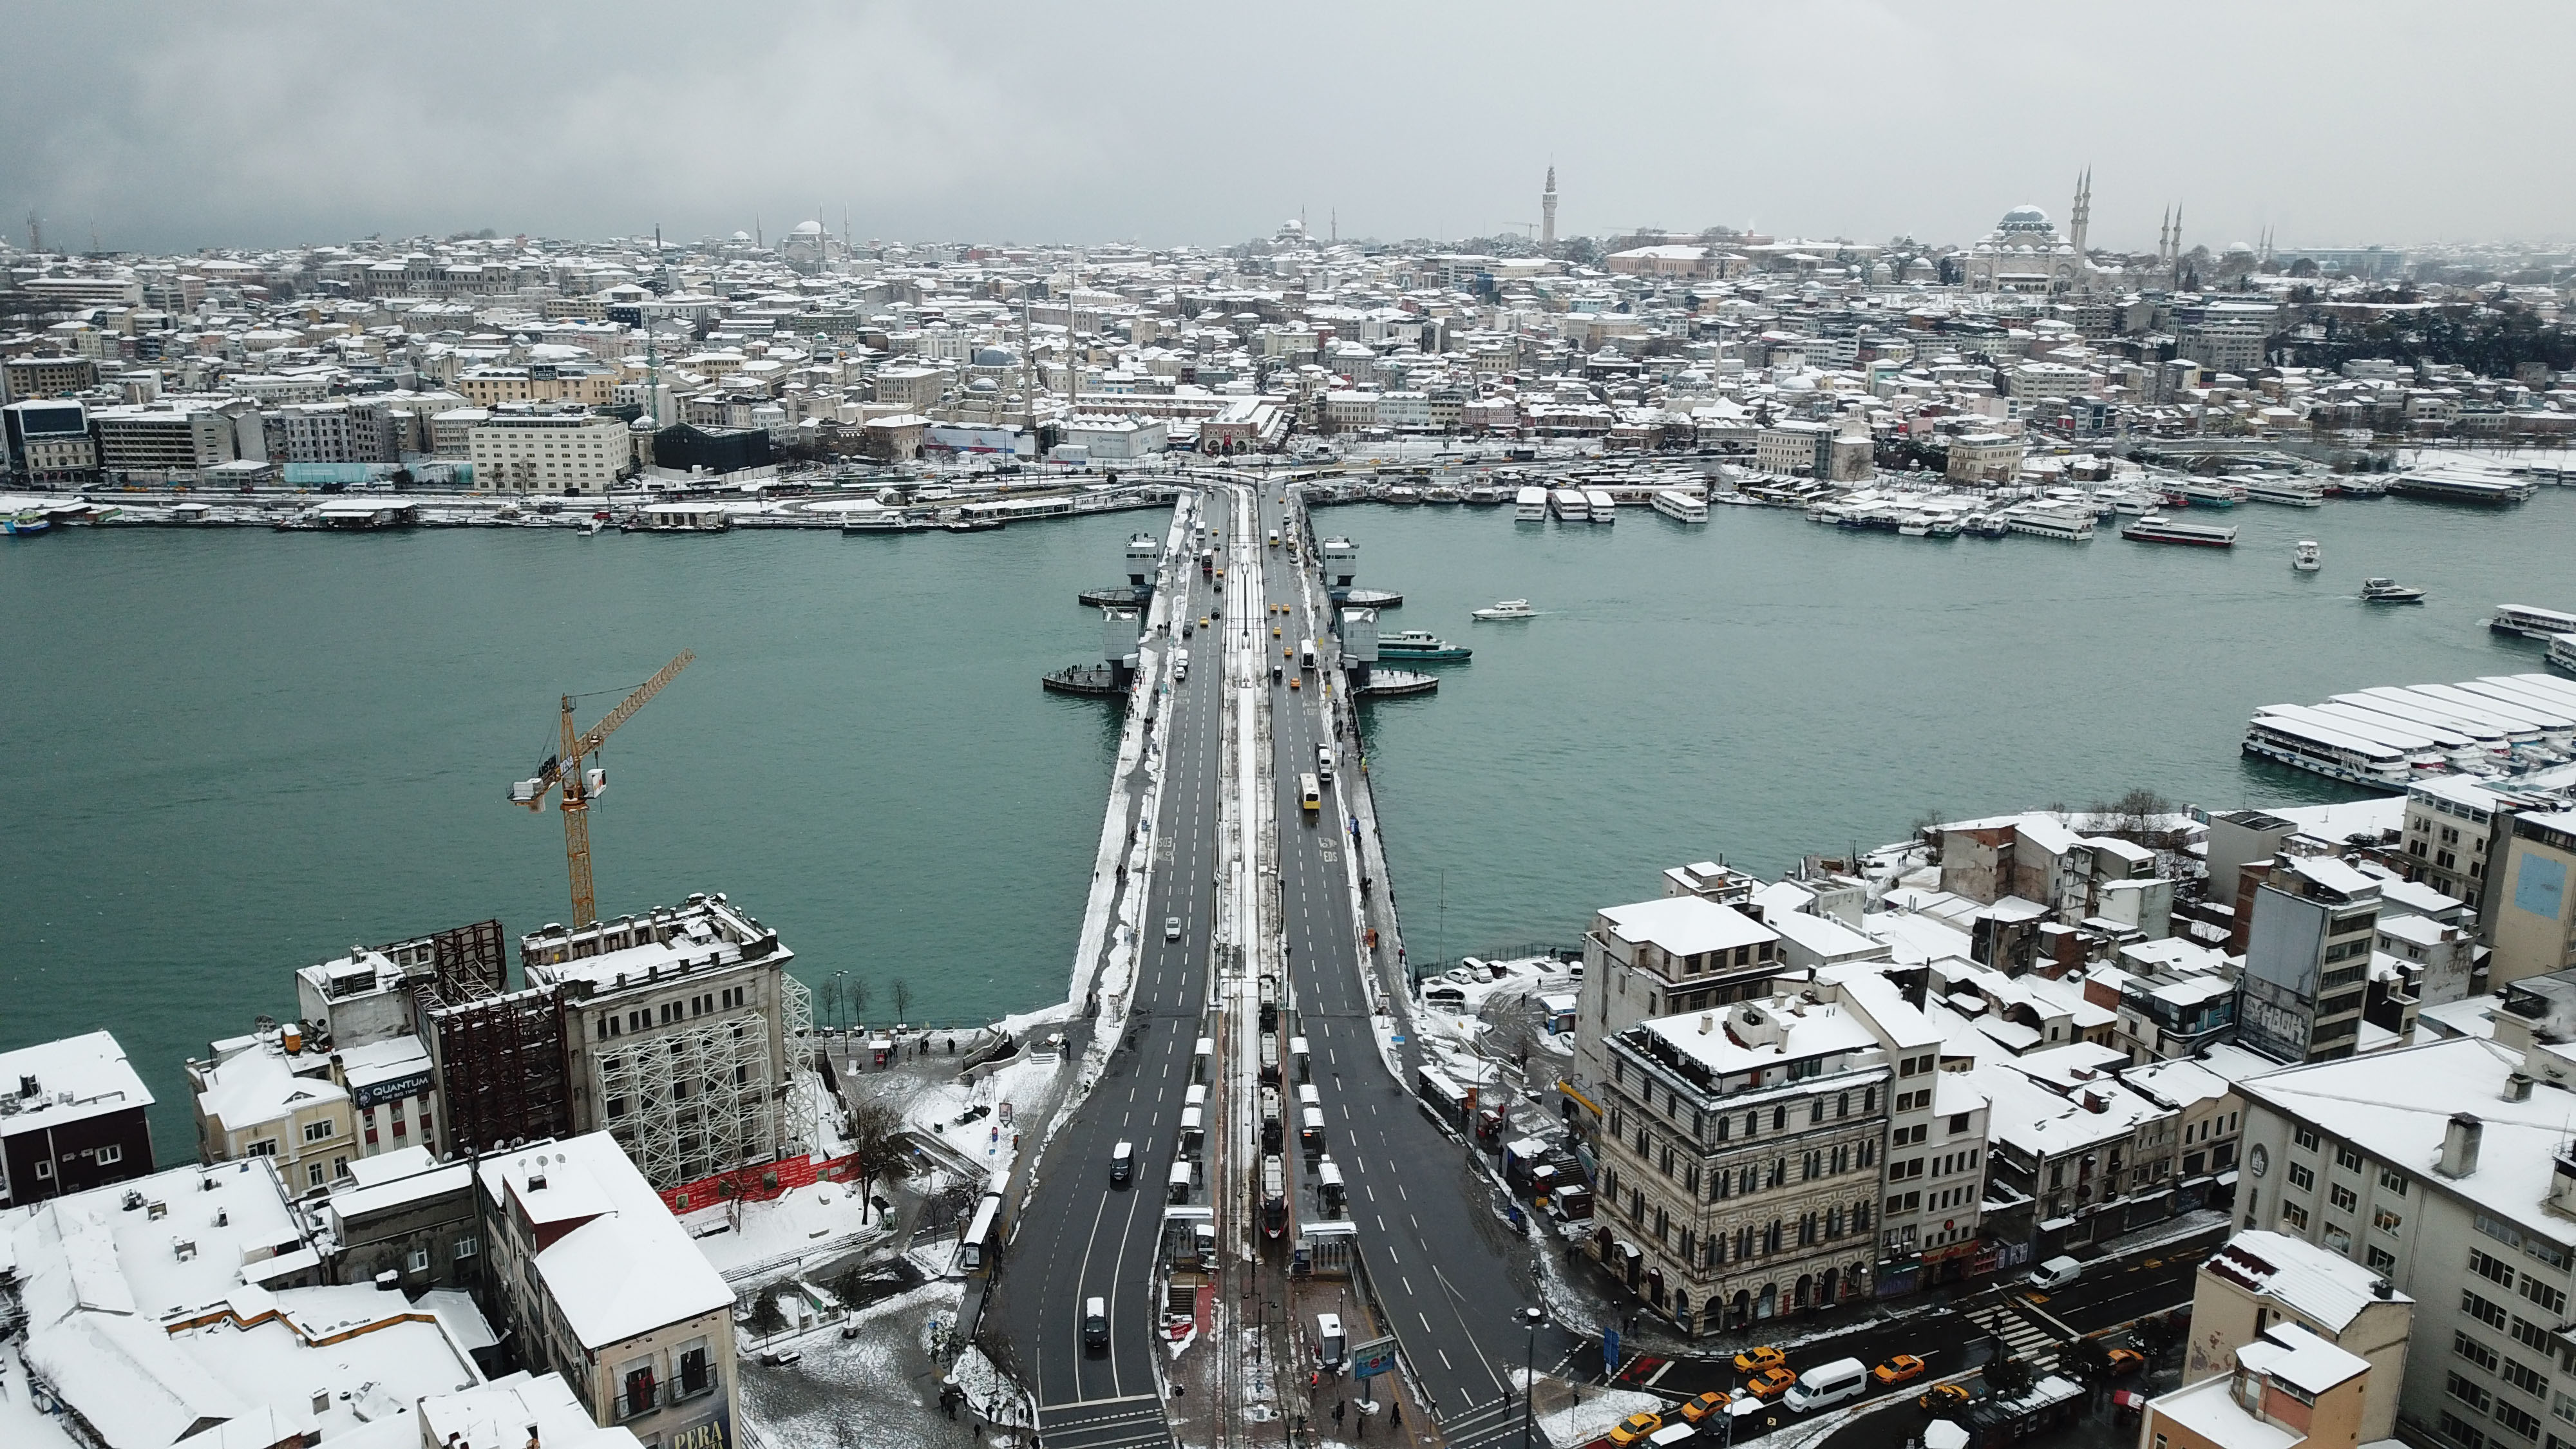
(841, 998)
(1530, 1319)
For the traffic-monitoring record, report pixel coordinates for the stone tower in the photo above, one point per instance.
(1547, 214)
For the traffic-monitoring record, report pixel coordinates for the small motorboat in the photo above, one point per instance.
(26, 525)
(1508, 609)
(2389, 591)
(2307, 558)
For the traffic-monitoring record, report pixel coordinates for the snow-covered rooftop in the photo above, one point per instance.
(598, 1220)
(54, 1083)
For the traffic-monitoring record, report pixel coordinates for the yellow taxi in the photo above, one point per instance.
(1754, 1360)
(1944, 1399)
(1292, 681)
(1635, 1428)
(1706, 1404)
(1202, 621)
(2127, 1361)
(1898, 1369)
(1771, 1383)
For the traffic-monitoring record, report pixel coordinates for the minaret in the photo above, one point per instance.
(1547, 215)
(2176, 245)
(2082, 218)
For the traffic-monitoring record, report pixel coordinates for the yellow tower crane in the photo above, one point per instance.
(581, 786)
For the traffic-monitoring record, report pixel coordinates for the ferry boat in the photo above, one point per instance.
(2326, 751)
(1484, 495)
(1530, 506)
(1420, 645)
(2562, 651)
(2307, 558)
(2208, 492)
(2463, 485)
(1443, 494)
(1985, 525)
(889, 520)
(2357, 485)
(1604, 508)
(26, 525)
(2531, 622)
(2156, 528)
(1679, 506)
(1402, 494)
(2389, 591)
(1570, 505)
(2136, 502)
(1508, 609)
(2288, 492)
(2041, 521)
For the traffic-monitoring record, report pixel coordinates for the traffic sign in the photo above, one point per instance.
(1610, 1351)
(1377, 1356)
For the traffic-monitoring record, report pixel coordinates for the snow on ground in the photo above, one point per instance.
(879, 1387)
(800, 1219)
(1589, 1420)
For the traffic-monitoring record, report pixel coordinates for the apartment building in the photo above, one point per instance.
(599, 1283)
(2263, 1279)
(2534, 928)
(2446, 1170)
(1661, 958)
(25, 378)
(2093, 1158)
(1932, 1204)
(2307, 959)
(2289, 1389)
(163, 440)
(1740, 1160)
(48, 443)
(538, 382)
(549, 452)
(683, 1029)
(72, 1117)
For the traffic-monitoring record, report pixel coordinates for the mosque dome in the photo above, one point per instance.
(809, 228)
(995, 357)
(983, 384)
(2025, 218)
(740, 236)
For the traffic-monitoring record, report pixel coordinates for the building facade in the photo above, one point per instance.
(1740, 1161)
(549, 452)
(71, 1119)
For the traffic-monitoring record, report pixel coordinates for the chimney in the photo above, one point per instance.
(2517, 1087)
(1706, 1021)
(2382, 1289)
(2460, 1145)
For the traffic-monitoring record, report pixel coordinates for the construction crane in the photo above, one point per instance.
(581, 786)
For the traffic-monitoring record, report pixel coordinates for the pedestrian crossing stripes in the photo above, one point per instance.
(1135, 1422)
(2027, 1340)
(1494, 1423)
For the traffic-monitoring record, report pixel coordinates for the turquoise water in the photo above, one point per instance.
(1761, 687)
(236, 753)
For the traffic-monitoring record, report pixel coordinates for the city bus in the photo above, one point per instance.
(982, 1244)
(1309, 793)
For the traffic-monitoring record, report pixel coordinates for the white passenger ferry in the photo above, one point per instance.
(2562, 651)
(2068, 525)
(1571, 506)
(1679, 506)
(2289, 492)
(2531, 622)
(1530, 506)
(1605, 509)
(2335, 754)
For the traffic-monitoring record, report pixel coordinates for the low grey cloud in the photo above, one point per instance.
(268, 124)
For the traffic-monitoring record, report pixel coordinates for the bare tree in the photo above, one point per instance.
(874, 1135)
(858, 998)
(902, 990)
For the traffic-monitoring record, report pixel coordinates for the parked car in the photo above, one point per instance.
(2126, 1361)
(1945, 1399)
(1635, 1428)
(779, 1357)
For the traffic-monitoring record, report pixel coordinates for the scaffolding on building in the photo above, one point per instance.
(694, 1102)
(804, 1125)
(500, 1063)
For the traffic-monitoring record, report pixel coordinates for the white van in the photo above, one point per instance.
(1827, 1385)
(1673, 1434)
(2056, 1273)
(1122, 1163)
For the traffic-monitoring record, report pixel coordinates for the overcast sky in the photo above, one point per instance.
(171, 128)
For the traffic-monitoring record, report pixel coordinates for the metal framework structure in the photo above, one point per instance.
(695, 1101)
(803, 1122)
(500, 1062)
(565, 769)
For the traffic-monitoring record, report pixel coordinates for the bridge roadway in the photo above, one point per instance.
(1081, 1237)
(1442, 1267)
